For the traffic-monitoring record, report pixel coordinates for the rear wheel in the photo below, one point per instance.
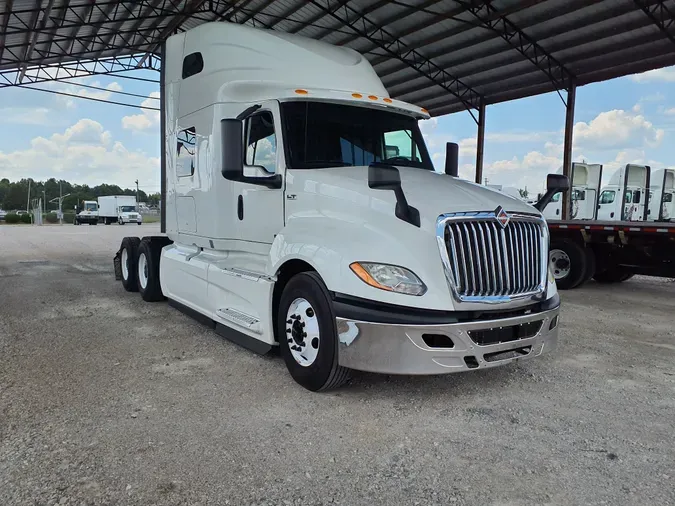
(128, 262)
(149, 253)
(567, 261)
(307, 334)
(590, 265)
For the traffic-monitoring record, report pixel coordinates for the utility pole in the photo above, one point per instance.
(28, 199)
(137, 192)
(44, 202)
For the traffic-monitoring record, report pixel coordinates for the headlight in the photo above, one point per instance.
(389, 277)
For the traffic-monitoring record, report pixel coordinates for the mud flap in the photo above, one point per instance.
(117, 263)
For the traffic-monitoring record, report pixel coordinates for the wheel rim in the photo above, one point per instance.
(302, 332)
(125, 264)
(143, 270)
(560, 263)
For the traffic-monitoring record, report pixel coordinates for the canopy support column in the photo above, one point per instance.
(567, 148)
(480, 142)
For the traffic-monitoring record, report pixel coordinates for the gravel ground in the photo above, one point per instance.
(105, 399)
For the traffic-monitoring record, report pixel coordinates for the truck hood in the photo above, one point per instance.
(432, 193)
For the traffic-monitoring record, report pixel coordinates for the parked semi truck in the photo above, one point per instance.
(586, 181)
(88, 213)
(303, 212)
(661, 197)
(118, 209)
(621, 242)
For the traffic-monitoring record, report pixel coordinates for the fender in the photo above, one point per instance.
(327, 244)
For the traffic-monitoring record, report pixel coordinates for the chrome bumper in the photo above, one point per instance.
(401, 349)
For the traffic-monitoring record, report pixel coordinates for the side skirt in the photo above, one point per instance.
(228, 333)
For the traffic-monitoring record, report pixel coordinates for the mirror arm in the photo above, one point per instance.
(545, 199)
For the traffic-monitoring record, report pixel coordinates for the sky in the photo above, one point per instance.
(626, 120)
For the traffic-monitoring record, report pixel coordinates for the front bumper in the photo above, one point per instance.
(403, 349)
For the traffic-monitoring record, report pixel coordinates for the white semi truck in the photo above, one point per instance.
(662, 196)
(586, 180)
(303, 212)
(119, 209)
(88, 213)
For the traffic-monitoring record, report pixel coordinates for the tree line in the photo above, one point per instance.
(15, 196)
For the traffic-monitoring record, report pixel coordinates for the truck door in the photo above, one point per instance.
(260, 210)
(607, 205)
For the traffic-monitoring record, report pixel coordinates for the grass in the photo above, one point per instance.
(150, 218)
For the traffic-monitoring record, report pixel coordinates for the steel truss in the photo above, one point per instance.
(395, 48)
(556, 72)
(661, 16)
(65, 71)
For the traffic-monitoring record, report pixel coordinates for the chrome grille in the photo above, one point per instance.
(486, 260)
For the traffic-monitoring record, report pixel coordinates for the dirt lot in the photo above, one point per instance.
(105, 399)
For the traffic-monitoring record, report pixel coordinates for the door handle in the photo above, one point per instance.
(240, 207)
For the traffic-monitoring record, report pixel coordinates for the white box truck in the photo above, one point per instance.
(303, 212)
(118, 209)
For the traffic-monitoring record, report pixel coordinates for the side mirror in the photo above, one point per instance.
(382, 176)
(452, 159)
(555, 183)
(232, 156)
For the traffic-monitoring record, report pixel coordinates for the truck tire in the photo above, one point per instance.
(614, 274)
(590, 265)
(307, 334)
(568, 262)
(149, 253)
(128, 256)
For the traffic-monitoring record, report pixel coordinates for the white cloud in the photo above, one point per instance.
(147, 119)
(670, 112)
(617, 129)
(72, 88)
(665, 75)
(83, 153)
(25, 115)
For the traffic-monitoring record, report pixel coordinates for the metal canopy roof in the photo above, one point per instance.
(445, 55)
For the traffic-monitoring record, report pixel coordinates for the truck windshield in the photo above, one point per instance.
(127, 209)
(321, 135)
(90, 206)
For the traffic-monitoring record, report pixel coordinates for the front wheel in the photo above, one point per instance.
(307, 334)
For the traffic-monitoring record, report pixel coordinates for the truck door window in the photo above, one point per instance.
(185, 151)
(607, 197)
(636, 196)
(261, 141)
(321, 135)
(667, 197)
(629, 196)
(556, 197)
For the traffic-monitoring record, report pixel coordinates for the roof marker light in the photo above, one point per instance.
(372, 97)
(357, 95)
(302, 92)
(387, 100)
(424, 111)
